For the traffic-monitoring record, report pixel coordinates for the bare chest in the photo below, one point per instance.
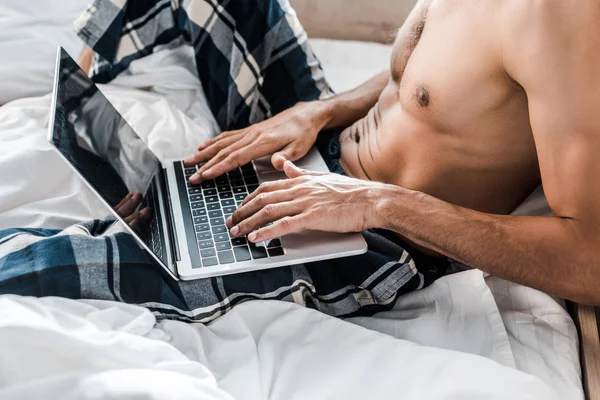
(447, 67)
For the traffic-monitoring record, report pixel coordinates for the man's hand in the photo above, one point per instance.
(308, 200)
(289, 134)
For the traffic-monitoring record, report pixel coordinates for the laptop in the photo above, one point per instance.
(183, 229)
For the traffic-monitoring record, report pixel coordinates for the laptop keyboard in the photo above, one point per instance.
(211, 203)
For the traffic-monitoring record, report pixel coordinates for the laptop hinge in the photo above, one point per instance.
(166, 193)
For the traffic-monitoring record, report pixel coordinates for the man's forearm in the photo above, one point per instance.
(346, 108)
(549, 253)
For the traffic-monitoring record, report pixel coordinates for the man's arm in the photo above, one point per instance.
(347, 108)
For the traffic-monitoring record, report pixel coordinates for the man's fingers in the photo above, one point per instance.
(222, 135)
(259, 202)
(279, 228)
(200, 175)
(266, 187)
(210, 150)
(229, 158)
(232, 160)
(291, 152)
(292, 171)
(269, 213)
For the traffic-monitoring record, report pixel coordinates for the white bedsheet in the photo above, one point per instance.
(466, 312)
(57, 348)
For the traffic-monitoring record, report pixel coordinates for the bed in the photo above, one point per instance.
(466, 336)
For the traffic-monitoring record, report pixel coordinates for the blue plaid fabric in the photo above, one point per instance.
(253, 57)
(253, 60)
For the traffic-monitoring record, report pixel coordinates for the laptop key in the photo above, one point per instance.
(210, 262)
(190, 171)
(239, 197)
(195, 190)
(247, 167)
(215, 214)
(198, 204)
(212, 199)
(196, 197)
(222, 246)
(221, 180)
(226, 257)
(251, 180)
(237, 183)
(200, 220)
(213, 206)
(219, 229)
(223, 188)
(273, 243)
(238, 190)
(238, 241)
(206, 244)
(203, 235)
(257, 252)
(226, 195)
(210, 192)
(217, 221)
(221, 237)
(208, 184)
(275, 251)
(202, 227)
(199, 213)
(242, 253)
(229, 209)
(228, 202)
(252, 188)
(208, 253)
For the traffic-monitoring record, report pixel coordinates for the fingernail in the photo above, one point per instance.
(228, 221)
(288, 163)
(235, 230)
(252, 236)
(195, 176)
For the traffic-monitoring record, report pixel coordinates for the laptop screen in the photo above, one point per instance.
(108, 154)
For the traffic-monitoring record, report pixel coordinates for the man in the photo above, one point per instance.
(484, 101)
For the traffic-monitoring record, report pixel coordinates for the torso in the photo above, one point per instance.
(451, 122)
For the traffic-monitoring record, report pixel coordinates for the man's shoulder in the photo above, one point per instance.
(538, 33)
(553, 17)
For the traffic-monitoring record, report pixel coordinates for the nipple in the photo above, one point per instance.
(422, 96)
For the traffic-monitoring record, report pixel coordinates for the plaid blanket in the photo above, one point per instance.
(253, 60)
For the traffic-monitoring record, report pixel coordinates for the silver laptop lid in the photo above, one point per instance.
(107, 153)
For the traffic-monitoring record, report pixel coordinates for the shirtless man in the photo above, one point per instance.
(484, 101)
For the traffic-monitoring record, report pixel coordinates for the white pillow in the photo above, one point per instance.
(30, 30)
